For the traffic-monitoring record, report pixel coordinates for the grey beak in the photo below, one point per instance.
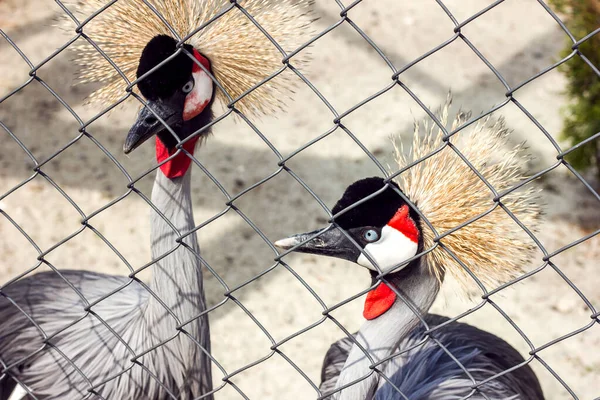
(147, 125)
(332, 243)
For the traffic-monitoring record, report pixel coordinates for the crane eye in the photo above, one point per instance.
(188, 86)
(371, 235)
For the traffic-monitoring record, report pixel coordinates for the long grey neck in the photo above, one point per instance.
(176, 278)
(381, 336)
(177, 282)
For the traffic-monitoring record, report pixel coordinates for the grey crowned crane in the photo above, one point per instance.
(146, 341)
(385, 235)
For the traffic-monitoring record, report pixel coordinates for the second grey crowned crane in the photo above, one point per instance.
(72, 334)
(385, 234)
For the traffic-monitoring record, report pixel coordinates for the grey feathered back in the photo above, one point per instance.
(428, 373)
(174, 364)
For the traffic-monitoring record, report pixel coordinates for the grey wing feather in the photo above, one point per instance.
(333, 363)
(76, 348)
(7, 385)
(427, 372)
(59, 312)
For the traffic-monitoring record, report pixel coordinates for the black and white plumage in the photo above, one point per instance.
(377, 229)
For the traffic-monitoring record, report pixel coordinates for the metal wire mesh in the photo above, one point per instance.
(282, 167)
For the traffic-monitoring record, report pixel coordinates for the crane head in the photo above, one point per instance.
(462, 232)
(384, 227)
(179, 94)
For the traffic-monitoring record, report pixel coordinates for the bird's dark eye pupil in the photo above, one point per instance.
(188, 86)
(371, 235)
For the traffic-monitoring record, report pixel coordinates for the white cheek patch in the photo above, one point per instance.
(390, 250)
(197, 100)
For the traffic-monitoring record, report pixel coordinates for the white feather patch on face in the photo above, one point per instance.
(390, 250)
(197, 100)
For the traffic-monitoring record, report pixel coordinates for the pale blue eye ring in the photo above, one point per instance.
(188, 86)
(371, 235)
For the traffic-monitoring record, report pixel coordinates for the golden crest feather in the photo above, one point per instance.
(241, 55)
(448, 193)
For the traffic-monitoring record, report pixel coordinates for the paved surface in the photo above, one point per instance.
(518, 37)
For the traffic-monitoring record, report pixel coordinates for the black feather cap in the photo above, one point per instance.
(377, 211)
(169, 77)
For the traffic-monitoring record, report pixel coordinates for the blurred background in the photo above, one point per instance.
(519, 37)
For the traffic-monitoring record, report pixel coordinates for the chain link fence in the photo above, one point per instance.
(227, 376)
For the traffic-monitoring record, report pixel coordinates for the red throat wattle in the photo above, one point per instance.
(178, 165)
(378, 301)
(381, 299)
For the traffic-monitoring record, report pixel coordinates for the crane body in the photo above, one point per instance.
(70, 334)
(425, 371)
(391, 228)
(137, 318)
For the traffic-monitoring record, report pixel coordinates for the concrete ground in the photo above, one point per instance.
(518, 37)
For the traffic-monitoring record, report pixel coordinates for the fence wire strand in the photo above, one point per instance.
(230, 294)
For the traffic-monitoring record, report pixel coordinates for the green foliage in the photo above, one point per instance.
(582, 117)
